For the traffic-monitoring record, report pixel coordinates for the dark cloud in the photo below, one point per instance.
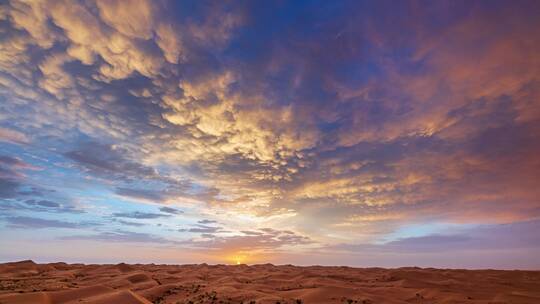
(14, 184)
(121, 236)
(203, 226)
(10, 179)
(150, 195)
(204, 229)
(140, 215)
(128, 223)
(36, 191)
(113, 163)
(8, 187)
(42, 203)
(170, 210)
(249, 232)
(106, 160)
(24, 222)
(33, 205)
(11, 161)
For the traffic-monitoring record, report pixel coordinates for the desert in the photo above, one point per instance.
(59, 283)
(279, 152)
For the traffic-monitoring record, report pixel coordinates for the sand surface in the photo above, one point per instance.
(28, 282)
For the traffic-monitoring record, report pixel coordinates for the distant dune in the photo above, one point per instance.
(28, 282)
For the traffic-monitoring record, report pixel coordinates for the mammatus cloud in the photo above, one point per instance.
(242, 119)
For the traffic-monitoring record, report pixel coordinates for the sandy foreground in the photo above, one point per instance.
(28, 282)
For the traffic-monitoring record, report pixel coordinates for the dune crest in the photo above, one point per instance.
(59, 283)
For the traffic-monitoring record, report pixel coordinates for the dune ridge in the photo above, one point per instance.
(61, 283)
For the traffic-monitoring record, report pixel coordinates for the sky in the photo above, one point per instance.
(361, 133)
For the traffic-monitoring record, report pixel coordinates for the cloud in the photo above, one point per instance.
(24, 222)
(132, 18)
(10, 166)
(140, 215)
(127, 223)
(350, 130)
(108, 160)
(113, 163)
(479, 238)
(36, 191)
(42, 203)
(120, 236)
(14, 186)
(8, 187)
(140, 193)
(38, 205)
(204, 229)
(11, 179)
(11, 161)
(433, 240)
(265, 238)
(170, 210)
(13, 136)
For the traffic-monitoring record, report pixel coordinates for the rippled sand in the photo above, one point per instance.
(27, 282)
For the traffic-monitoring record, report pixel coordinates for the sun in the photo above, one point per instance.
(238, 259)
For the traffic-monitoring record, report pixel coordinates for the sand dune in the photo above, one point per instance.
(59, 283)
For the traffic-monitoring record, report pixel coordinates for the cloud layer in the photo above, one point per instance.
(327, 124)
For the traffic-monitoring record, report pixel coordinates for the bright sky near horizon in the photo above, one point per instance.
(364, 133)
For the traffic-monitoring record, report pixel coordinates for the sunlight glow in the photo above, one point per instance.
(237, 258)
